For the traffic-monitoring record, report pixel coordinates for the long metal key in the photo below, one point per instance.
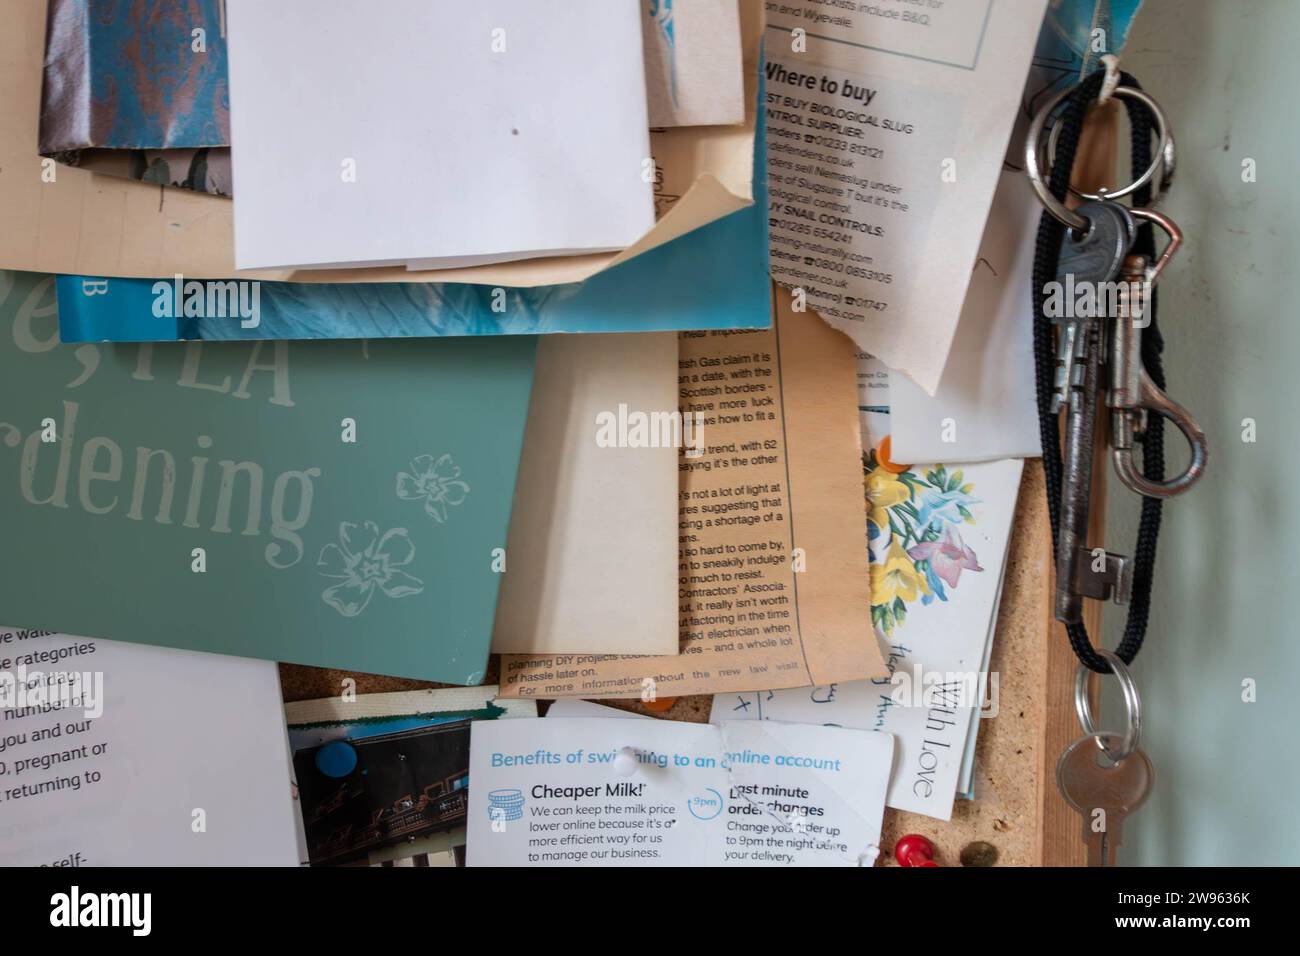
(1103, 792)
(1094, 258)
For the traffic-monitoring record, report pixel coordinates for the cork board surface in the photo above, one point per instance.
(1009, 750)
(1009, 755)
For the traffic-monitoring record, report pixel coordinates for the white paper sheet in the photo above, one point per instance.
(984, 407)
(591, 559)
(404, 130)
(550, 793)
(161, 758)
(886, 129)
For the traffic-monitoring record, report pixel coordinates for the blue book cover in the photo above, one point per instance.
(340, 504)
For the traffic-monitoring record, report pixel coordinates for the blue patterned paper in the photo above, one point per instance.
(1065, 50)
(713, 278)
(135, 74)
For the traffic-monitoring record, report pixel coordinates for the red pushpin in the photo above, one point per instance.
(914, 850)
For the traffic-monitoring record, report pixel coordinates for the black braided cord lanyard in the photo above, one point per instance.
(1051, 232)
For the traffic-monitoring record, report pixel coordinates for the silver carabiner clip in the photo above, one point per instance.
(1132, 395)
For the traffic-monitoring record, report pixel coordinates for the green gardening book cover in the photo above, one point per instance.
(341, 504)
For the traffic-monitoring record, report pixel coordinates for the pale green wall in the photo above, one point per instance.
(1227, 601)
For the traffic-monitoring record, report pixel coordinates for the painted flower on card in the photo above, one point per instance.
(435, 482)
(364, 562)
(896, 578)
(947, 556)
(884, 490)
(938, 507)
(914, 545)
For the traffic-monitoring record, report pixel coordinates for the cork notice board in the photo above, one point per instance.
(1017, 811)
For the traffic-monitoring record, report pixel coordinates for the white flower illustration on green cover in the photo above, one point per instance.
(364, 562)
(436, 483)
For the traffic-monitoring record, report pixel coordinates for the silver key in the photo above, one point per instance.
(1094, 258)
(1103, 792)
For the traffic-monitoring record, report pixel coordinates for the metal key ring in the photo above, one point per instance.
(1132, 707)
(1163, 160)
(1038, 170)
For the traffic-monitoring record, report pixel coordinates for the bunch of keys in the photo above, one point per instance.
(1105, 776)
(1099, 351)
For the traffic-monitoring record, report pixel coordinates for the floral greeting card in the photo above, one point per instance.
(937, 539)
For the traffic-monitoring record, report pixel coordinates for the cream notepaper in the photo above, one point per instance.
(591, 562)
(886, 128)
(772, 564)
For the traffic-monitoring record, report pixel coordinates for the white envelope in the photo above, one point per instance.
(984, 408)
(454, 134)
